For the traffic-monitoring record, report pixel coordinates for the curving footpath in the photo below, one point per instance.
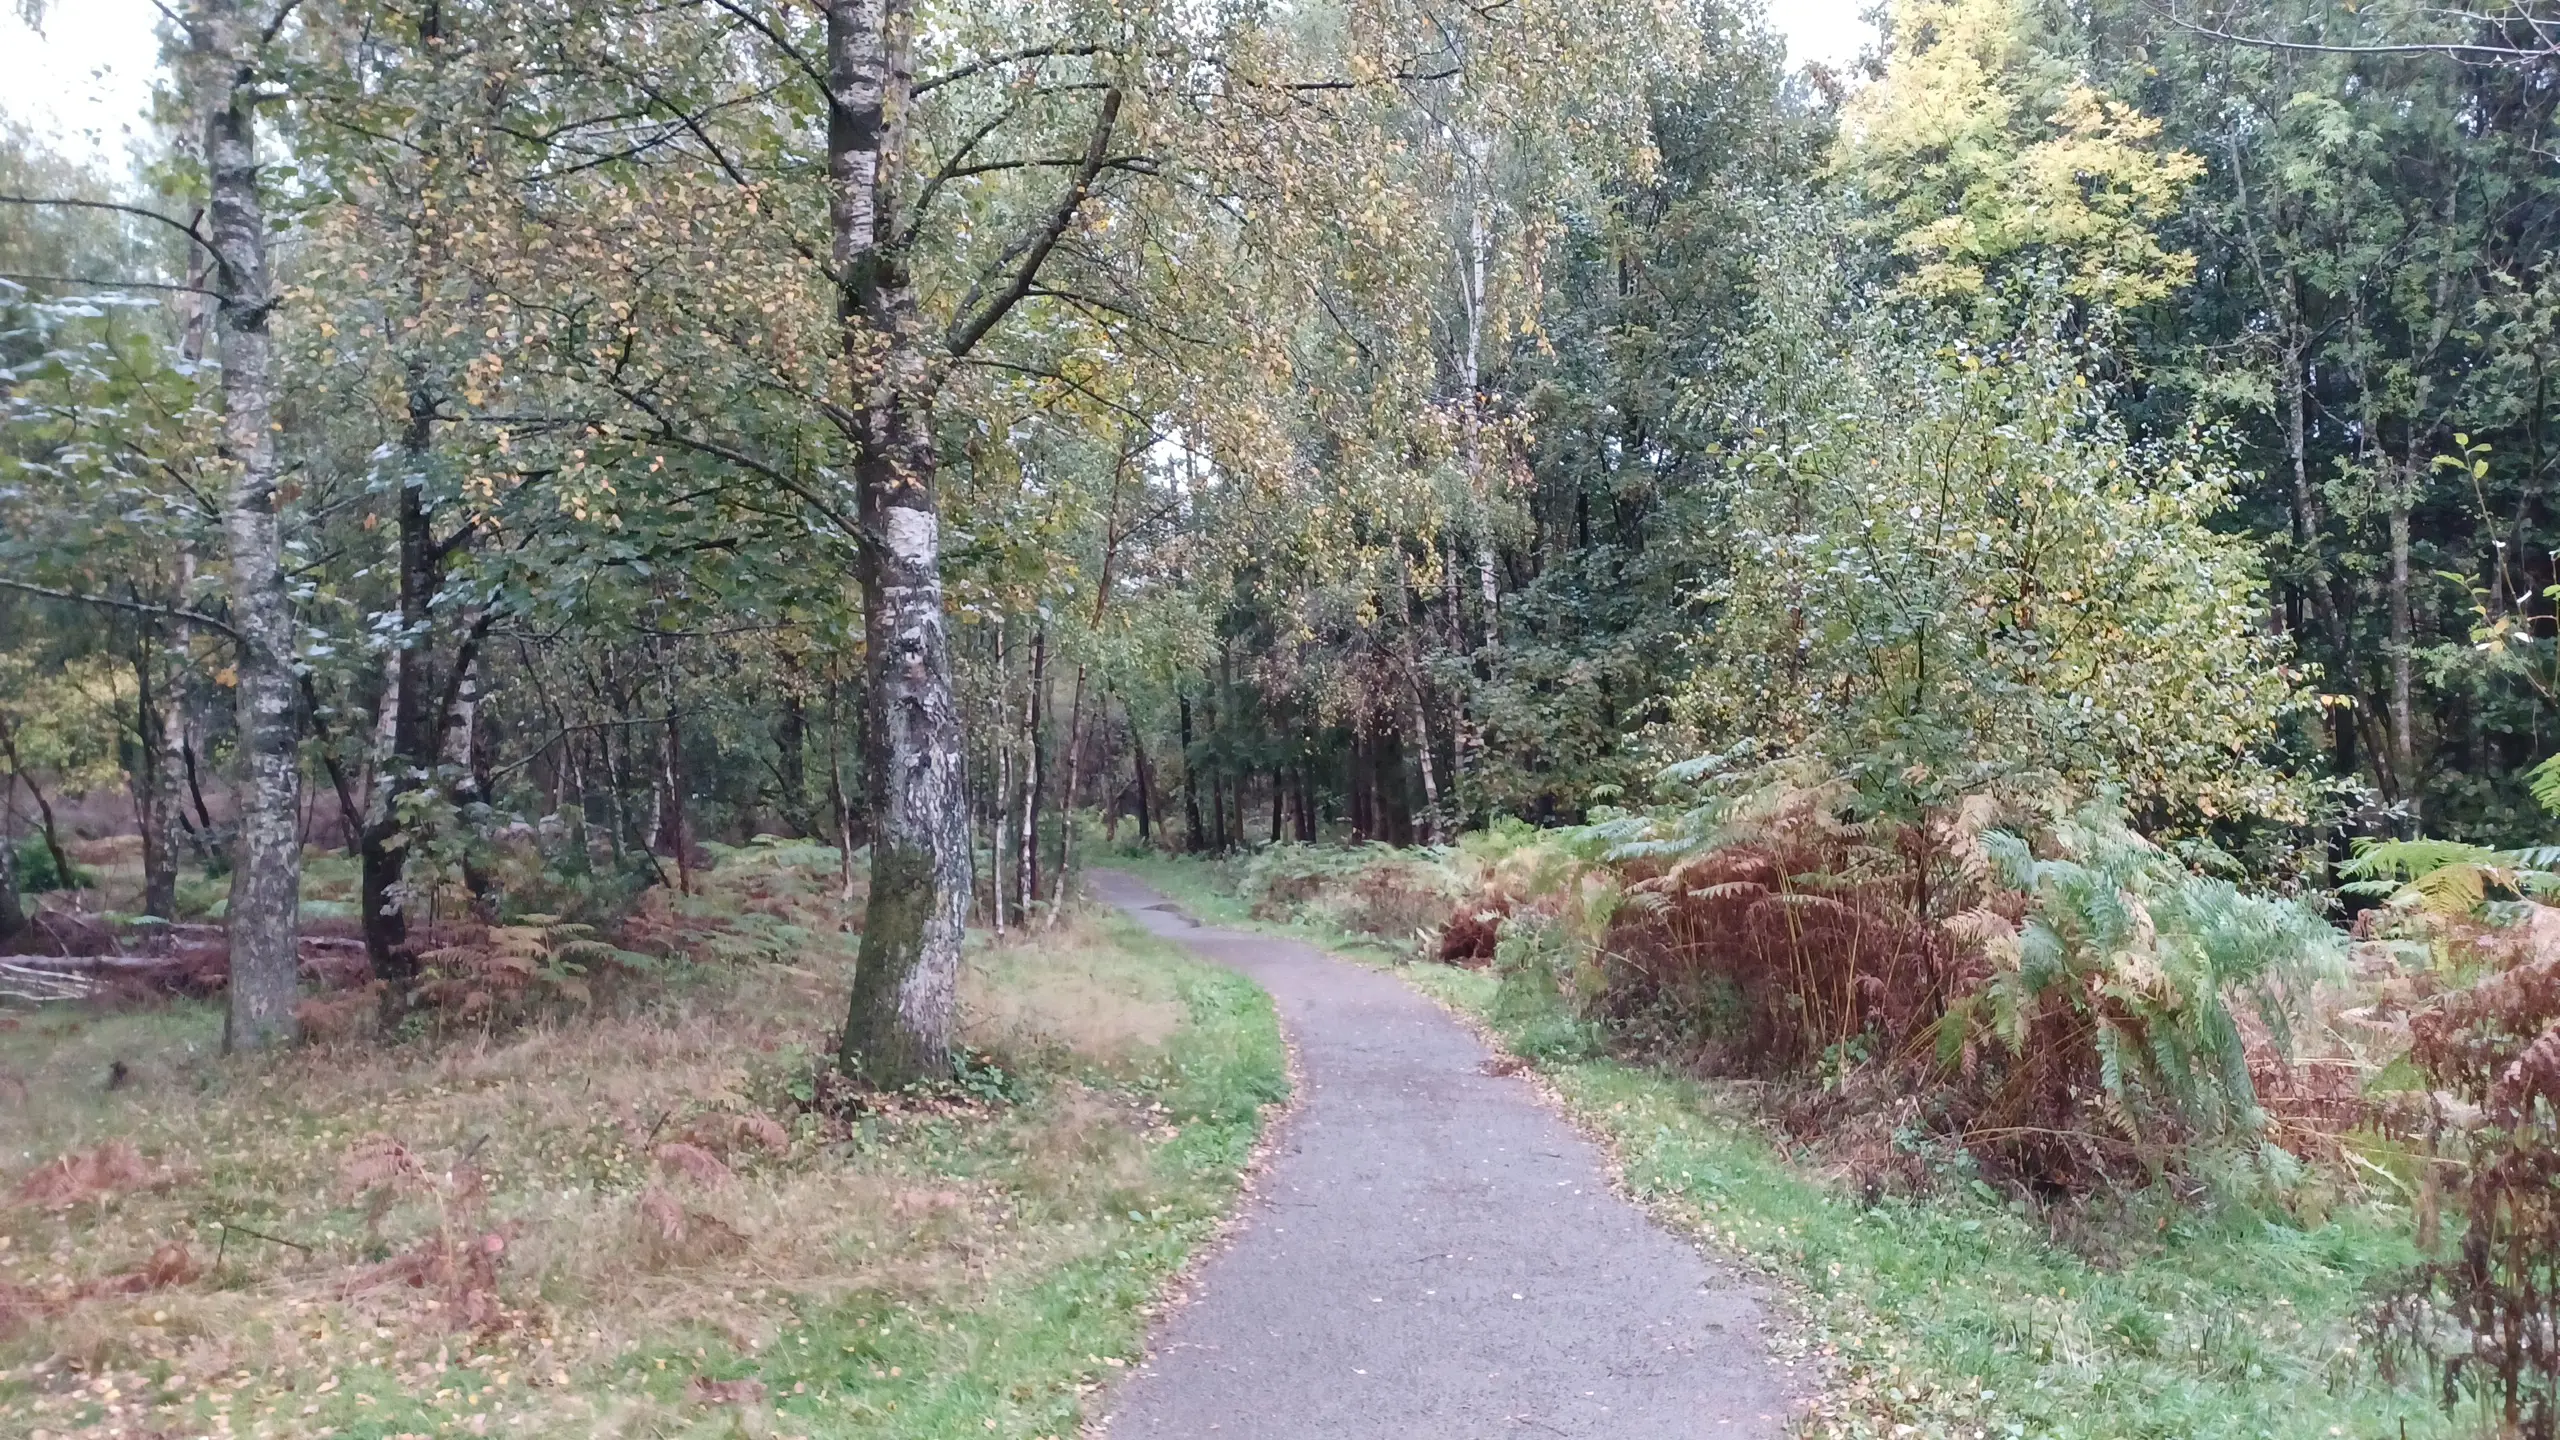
(1433, 1252)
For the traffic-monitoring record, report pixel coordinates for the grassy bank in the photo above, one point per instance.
(624, 1221)
(1958, 1315)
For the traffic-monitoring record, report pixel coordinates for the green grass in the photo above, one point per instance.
(1959, 1316)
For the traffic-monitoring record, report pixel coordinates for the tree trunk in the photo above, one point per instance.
(843, 812)
(791, 765)
(44, 808)
(1000, 804)
(1034, 777)
(13, 915)
(264, 914)
(673, 835)
(1217, 784)
(156, 791)
(1193, 837)
(2404, 747)
(1421, 699)
(416, 713)
(906, 984)
(1138, 759)
(1067, 800)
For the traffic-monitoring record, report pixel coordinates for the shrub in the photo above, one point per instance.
(2482, 1316)
(1373, 890)
(38, 875)
(2058, 994)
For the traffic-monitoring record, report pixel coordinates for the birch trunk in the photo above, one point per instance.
(1421, 701)
(1067, 803)
(1027, 869)
(906, 984)
(266, 875)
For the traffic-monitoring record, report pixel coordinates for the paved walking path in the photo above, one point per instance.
(1434, 1253)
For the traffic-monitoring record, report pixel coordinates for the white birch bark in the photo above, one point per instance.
(266, 875)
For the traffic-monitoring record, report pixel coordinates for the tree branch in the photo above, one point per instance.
(966, 333)
(76, 204)
(2502, 54)
(137, 607)
(25, 279)
(997, 62)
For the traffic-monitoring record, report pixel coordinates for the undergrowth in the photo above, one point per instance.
(625, 1218)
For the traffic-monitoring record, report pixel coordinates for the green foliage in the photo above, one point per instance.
(2149, 958)
(1536, 1001)
(36, 872)
(1955, 565)
(2447, 877)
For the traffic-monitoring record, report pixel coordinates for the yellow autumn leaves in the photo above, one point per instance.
(1975, 154)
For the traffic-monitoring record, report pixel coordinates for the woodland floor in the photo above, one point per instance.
(623, 1219)
(1433, 1251)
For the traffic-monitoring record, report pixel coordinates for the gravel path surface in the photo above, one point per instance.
(1434, 1253)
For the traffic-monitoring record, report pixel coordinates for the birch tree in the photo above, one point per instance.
(226, 41)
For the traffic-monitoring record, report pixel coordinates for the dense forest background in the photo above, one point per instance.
(1366, 420)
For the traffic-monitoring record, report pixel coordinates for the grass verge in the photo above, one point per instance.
(1956, 1315)
(623, 1222)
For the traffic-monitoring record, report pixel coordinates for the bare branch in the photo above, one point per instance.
(137, 607)
(2497, 54)
(1010, 57)
(135, 210)
(26, 279)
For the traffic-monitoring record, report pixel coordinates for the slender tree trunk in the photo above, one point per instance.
(841, 807)
(1001, 803)
(1138, 759)
(414, 716)
(1279, 792)
(1067, 800)
(18, 771)
(13, 914)
(1421, 700)
(674, 834)
(791, 765)
(158, 801)
(2404, 747)
(1217, 781)
(1034, 775)
(266, 876)
(906, 984)
(1194, 838)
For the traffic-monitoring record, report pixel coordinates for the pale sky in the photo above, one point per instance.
(85, 83)
(1830, 31)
